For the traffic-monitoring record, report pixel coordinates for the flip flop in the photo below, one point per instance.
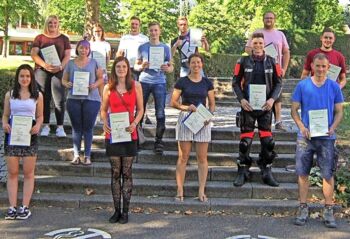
(75, 161)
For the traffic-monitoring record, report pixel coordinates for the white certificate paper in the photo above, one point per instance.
(20, 130)
(257, 96)
(81, 83)
(318, 122)
(50, 55)
(196, 37)
(118, 123)
(100, 58)
(195, 120)
(333, 72)
(271, 50)
(156, 57)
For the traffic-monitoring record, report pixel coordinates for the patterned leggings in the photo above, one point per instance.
(121, 169)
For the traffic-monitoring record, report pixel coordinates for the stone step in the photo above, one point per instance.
(154, 171)
(232, 99)
(229, 79)
(168, 157)
(167, 204)
(167, 188)
(229, 133)
(285, 105)
(220, 146)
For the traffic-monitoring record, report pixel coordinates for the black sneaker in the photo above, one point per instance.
(11, 213)
(23, 213)
(328, 217)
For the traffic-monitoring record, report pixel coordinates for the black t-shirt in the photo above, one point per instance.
(194, 92)
(185, 50)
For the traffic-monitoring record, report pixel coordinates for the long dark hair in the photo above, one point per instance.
(113, 81)
(33, 88)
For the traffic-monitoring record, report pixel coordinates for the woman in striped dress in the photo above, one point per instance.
(193, 89)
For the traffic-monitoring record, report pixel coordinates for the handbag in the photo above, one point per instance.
(140, 135)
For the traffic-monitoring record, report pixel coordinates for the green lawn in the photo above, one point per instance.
(12, 62)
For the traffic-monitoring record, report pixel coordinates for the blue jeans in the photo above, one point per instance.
(159, 95)
(324, 150)
(82, 114)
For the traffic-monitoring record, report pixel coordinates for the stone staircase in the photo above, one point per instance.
(226, 97)
(58, 183)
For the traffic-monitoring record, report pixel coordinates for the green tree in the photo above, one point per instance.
(10, 13)
(163, 11)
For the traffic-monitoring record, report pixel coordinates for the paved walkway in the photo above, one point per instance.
(167, 225)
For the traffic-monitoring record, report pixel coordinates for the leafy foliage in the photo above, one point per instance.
(163, 11)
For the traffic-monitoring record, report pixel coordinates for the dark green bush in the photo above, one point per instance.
(6, 83)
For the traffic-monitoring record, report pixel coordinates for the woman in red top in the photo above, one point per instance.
(121, 94)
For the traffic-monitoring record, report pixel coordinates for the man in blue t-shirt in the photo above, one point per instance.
(320, 100)
(154, 60)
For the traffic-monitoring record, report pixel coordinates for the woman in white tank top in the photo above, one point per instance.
(23, 100)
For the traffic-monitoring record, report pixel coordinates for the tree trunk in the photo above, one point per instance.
(6, 32)
(92, 15)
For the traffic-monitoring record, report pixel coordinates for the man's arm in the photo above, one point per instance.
(304, 74)
(297, 120)
(342, 80)
(338, 116)
(285, 60)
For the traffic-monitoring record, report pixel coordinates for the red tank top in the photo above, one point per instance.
(116, 105)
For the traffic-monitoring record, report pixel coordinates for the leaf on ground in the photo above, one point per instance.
(342, 188)
(177, 212)
(188, 212)
(137, 210)
(89, 191)
(315, 215)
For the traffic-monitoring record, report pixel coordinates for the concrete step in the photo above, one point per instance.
(220, 146)
(167, 204)
(229, 132)
(154, 171)
(167, 188)
(168, 157)
(285, 105)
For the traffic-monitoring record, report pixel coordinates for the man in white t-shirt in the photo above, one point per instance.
(129, 44)
(276, 45)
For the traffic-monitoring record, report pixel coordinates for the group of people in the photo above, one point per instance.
(132, 81)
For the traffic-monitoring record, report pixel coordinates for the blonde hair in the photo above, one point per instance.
(46, 24)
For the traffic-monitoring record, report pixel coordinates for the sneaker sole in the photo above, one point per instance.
(24, 218)
(10, 218)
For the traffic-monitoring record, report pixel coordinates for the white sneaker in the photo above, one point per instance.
(45, 131)
(60, 132)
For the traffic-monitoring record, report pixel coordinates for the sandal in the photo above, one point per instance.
(87, 161)
(179, 198)
(75, 161)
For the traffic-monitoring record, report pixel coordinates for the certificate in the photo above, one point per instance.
(196, 37)
(100, 58)
(271, 50)
(257, 96)
(318, 123)
(195, 120)
(118, 123)
(50, 55)
(333, 72)
(81, 83)
(156, 57)
(20, 130)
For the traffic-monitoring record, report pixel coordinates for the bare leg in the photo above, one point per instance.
(202, 159)
(328, 189)
(12, 179)
(303, 182)
(28, 185)
(184, 154)
(278, 111)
